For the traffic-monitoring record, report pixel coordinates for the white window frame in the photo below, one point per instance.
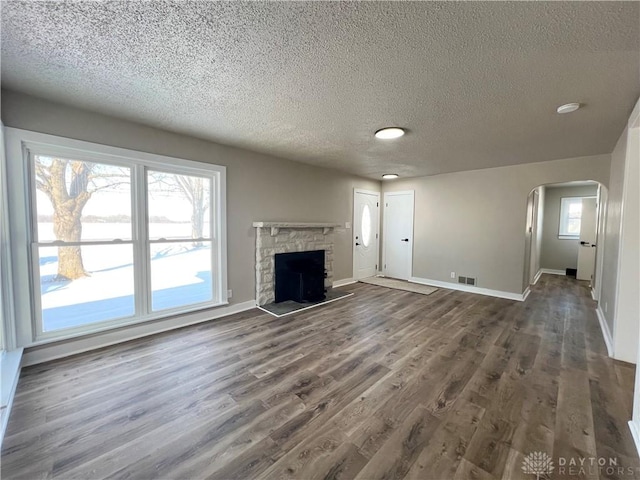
(564, 201)
(7, 337)
(21, 145)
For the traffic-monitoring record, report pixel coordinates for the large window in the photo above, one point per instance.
(121, 238)
(570, 217)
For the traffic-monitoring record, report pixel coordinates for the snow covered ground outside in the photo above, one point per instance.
(180, 275)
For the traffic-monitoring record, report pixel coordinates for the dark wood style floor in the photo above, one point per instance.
(385, 384)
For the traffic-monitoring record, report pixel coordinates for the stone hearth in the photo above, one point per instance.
(285, 237)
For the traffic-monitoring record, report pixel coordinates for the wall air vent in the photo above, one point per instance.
(462, 279)
(471, 281)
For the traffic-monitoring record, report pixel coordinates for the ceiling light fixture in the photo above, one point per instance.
(568, 108)
(389, 176)
(389, 133)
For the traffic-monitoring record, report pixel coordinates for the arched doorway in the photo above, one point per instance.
(564, 232)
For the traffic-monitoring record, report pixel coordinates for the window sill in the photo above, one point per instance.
(70, 334)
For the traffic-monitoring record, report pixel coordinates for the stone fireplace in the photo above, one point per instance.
(286, 237)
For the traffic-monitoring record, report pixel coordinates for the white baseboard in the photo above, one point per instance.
(537, 277)
(54, 350)
(526, 293)
(593, 294)
(635, 433)
(10, 365)
(606, 334)
(551, 271)
(470, 289)
(343, 282)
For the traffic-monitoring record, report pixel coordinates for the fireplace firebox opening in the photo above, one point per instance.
(299, 276)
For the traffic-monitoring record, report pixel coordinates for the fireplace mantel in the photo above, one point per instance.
(276, 226)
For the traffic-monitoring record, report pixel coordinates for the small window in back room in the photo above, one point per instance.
(570, 217)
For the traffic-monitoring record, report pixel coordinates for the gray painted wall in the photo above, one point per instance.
(474, 223)
(259, 187)
(612, 231)
(621, 263)
(560, 254)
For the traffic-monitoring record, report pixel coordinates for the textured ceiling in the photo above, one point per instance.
(475, 83)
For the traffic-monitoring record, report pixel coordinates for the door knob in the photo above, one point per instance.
(404, 240)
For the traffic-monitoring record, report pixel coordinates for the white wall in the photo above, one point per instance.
(620, 292)
(626, 323)
(474, 223)
(557, 253)
(612, 232)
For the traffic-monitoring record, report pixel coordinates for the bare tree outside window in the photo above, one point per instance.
(195, 190)
(109, 229)
(69, 185)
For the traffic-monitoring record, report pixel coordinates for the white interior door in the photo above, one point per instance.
(587, 248)
(398, 234)
(366, 212)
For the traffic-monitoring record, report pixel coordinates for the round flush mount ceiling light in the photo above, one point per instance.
(389, 133)
(389, 176)
(568, 108)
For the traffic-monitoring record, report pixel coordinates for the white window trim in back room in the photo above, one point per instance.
(563, 235)
(20, 145)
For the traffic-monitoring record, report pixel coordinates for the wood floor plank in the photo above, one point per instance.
(396, 457)
(383, 384)
(441, 456)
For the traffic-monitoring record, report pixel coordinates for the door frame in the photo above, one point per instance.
(384, 229)
(602, 197)
(534, 259)
(353, 228)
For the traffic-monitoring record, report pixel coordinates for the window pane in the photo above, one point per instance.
(570, 215)
(575, 210)
(105, 292)
(573, 226)
(78, 200)
(178, 206)
(180, 274)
